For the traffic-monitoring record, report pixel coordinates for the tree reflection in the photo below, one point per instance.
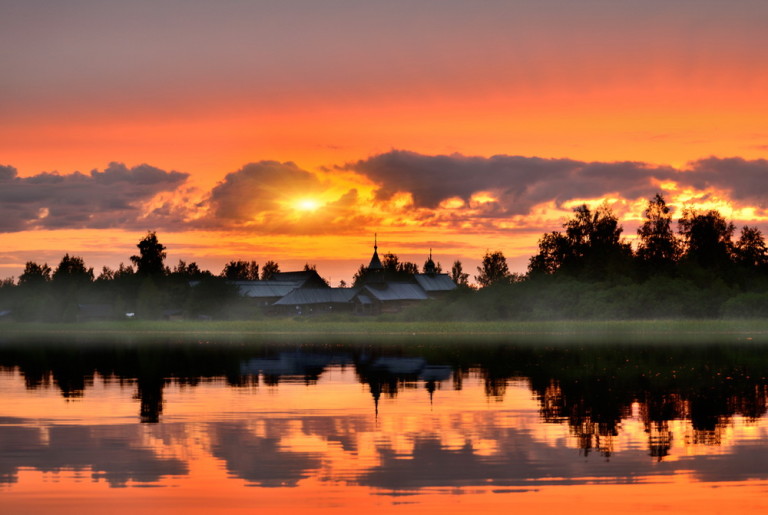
(590, 388)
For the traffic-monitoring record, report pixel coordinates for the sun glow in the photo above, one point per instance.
(307, 204)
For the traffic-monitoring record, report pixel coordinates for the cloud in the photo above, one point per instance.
(743, 180)
(517, 183)
(265, 195)
(394, 189)
(111, 198)
(259, 187)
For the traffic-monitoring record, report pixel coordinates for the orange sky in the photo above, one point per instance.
(207, 89)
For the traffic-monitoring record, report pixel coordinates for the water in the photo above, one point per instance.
(433, 428)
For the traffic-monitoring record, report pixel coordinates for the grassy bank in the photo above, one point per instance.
(319, 330)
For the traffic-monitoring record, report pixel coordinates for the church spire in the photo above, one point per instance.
(375, 263)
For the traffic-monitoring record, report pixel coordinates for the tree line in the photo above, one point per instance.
(587, 270)
(145, 288)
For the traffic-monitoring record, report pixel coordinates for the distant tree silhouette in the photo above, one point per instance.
(72, 269)
(595, 240)
(458, 276)
(707, 238)
(150, 261)
(658, 247)
(390, 262)
(554, 251)
(591, 246)
(360, 275)
(750, 250)
(269, 269)
(35, 274)
(189, 271)
(493, 270)
(241, 271)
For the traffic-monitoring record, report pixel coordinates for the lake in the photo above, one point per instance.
(423, 426)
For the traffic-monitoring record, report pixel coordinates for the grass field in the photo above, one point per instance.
(318, 330)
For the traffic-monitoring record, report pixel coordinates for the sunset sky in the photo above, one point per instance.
(293, 130)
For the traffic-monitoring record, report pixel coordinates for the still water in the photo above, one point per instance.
(421, 428)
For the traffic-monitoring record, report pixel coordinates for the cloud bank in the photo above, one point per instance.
(111, 198)
(395, 189)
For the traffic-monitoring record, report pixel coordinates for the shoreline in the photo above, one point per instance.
(311, 330)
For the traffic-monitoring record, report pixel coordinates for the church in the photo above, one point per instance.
(378, 290)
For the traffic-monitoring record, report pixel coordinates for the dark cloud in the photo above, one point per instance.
(100, 199)
(263, 195)
(745, 181)
(518, 182)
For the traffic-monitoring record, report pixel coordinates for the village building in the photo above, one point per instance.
(378, 291)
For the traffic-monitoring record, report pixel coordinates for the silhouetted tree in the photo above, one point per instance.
(390, 262)
(457, 274)
(269, 269)
(707, 238)
(658, 247)
(241, 271)
(150, 261)
(554, 251)
(494, 269)
(750, 250)
(72, 269)
(360, 275)
(35, 274)
(189, 271)
(591, 246)
(595, 240)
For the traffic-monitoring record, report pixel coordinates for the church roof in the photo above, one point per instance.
(375, 263)
(435, 282)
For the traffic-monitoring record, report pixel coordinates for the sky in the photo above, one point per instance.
(294, 130)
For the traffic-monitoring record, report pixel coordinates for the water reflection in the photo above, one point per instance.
(394, 418)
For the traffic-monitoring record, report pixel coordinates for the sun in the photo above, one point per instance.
(307, 204)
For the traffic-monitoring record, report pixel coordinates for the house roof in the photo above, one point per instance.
(265, 289)
(395, 291)
(435, 282)
(304, 296)
(301, 277)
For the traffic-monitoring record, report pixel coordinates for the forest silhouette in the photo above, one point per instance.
(585, 271)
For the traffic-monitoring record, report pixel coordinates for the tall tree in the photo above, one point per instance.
(591, 245)
(554, 250)
(269, 269)
(150, 261)
(35, 274)
(457, 274)
(494, 269)
(390, 262)
(706, 237)
(241, 271)
(72, 269)
(750, 250)
(658, 247)
(189, 271)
